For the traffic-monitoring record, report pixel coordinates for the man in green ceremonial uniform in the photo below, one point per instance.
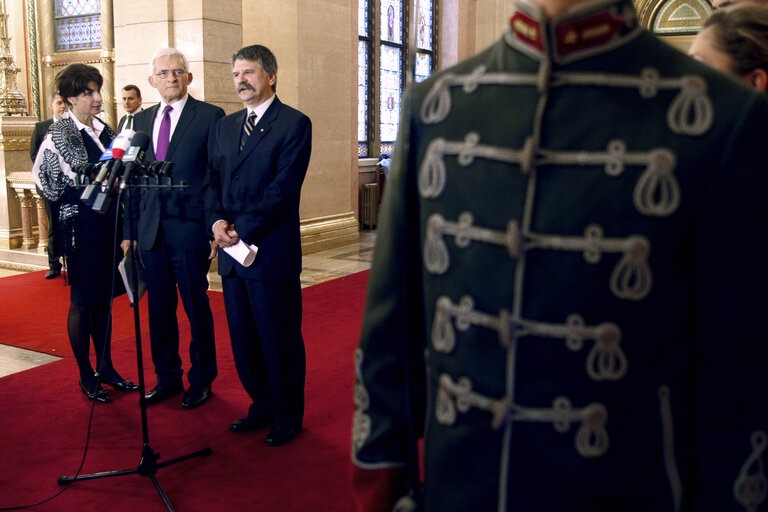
(569, 280)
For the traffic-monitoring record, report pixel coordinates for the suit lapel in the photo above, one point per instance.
(185, 121)
(261, 129)
(148, 128)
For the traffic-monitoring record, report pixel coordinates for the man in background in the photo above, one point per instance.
(58, 107)
(131, 104)
(567, 295)
(172, 235)
(252, 195)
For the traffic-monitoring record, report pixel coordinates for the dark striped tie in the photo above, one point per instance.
(247, 129)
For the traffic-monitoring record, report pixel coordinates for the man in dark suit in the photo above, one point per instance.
(58, 107)
(131, 103)
(258, 163)
(172, 236)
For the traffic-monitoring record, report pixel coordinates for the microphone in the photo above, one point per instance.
(84, 173)
(121, 143)
(113, 153)
(134, 157)
(103, 200)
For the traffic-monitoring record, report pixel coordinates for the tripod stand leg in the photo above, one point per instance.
(63, 480)
(162, 494)
(200, 453)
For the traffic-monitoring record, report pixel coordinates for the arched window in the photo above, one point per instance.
(386, 57)
(77, 25)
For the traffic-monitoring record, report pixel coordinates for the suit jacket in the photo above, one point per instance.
(38, 134)
(178, 211)
(578, 289)
(122, 122)
(258, 189)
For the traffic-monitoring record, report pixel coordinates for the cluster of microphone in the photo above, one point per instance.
(120, 166)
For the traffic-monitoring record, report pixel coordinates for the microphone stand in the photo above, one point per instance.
(148, 464)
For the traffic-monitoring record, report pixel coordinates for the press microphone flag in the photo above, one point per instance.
(114, 152)
(119, 144)
(134, 157)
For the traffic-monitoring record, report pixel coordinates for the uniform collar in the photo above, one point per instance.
(588, 29)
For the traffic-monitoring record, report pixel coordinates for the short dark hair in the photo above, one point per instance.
(131, 87)
(73, 80)
(262, 54)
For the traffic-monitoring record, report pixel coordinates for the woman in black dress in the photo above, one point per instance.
(88, 238)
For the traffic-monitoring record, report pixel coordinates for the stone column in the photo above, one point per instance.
(25, 200)
(316, 50)
(206, 31)
(42, 221)
(109, 89)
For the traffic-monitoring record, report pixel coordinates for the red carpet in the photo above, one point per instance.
(26, 296)
(44, 417)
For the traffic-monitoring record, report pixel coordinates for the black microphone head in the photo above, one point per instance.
(166, 169)
(85, 169)
(141, 140)
(154, 167)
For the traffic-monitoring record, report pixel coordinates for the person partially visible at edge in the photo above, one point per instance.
(86, 237)
(567, 296)
(58, 107)
(735, 41)
(252, 194)
(720, 4)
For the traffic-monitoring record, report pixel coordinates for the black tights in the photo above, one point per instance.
(94, 321)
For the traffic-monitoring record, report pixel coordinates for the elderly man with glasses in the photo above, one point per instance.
(171, 232)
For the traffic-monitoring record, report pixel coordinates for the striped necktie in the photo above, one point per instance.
(247, 129)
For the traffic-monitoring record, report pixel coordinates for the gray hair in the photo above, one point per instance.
(167, 52)
(262, 54)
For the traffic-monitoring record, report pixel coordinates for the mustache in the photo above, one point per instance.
(244, 87)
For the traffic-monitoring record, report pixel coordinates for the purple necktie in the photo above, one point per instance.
(164, 135)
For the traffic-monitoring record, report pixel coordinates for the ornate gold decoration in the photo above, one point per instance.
(11, 100)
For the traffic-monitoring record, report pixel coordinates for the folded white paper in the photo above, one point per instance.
(243, 253)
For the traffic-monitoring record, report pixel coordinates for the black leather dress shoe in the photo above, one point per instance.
(250, 423)
(100, 395)
(163, 391)
(121, 385)
(196, 396)
(52, 273)
(279, 436)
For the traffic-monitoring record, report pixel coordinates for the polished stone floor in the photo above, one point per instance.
(318, 267)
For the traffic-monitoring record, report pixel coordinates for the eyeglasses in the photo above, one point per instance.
(164, 73)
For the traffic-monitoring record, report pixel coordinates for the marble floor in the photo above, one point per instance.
(317, 268)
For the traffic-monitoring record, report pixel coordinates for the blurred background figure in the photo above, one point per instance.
(58, 107)
(131, 104)
(735, 41)
(719, 4)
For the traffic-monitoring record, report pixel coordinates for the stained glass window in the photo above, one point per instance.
(392, 21)
(363, 89)
(362, 18)
(383, 58)
(363, 78)
(77, 24)
(391, 87)
(423, 66)
(424, 13)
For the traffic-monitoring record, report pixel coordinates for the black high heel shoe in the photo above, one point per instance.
(100, 395)
(121, 385)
